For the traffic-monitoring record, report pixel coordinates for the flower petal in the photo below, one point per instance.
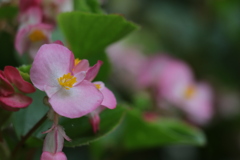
(13, 75)
(53, 142)
(93, 71)
(16, 100)
(77, 101)
(51, 62)
(80, 77)
(109, 99)
(21, 41)
(51, 156)
(81, 66)
(5, 87)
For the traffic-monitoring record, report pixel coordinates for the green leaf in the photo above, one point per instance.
(25, 68)
(80, 130)
(25, 119)
(24, 72)
(8, 12)
(141, 134)
(92, 6)
(89, 34)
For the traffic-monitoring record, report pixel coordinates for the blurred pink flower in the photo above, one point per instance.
(11, 100)
(53, 144)
(127, 65)
(30, 37)
(32, 15)
(152, 69)
(55, 71)
(177, 86)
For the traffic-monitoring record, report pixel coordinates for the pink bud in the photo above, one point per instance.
(53, 156)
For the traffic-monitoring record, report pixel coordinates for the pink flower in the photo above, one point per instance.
(178, 87)
(53, 144)
(109, 99)
(70, 94)
(151, 70)
(30, 37)
(10, 79)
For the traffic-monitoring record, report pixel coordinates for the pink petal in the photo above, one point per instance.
(51, 62)
(16, 100)
(93, 71)
(6, 88)
(32, 15)
(200, 107)
(13, 75)
(53, 142)
(21, 40)
(58, 42)
(77, 101)
(80, 77)
(109, 99)
(81, 66)
(51, 156)
(51, 90)
(95, 121)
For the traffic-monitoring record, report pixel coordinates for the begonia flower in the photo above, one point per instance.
(12, 90)
(53, 144)
(151, 70)
(70, 95)
(31, 37)
(109, 100)
(178, 87)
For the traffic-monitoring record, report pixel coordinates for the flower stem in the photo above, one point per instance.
(24, 138)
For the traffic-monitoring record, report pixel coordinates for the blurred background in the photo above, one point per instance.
(204, 34)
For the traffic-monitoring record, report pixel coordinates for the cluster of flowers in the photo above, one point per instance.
(171, 81)
(68, 84)
(37, 19)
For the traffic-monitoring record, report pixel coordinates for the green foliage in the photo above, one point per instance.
(89, 34)
(87, 6)
(80, 130)
(25, 119)
(8, 12)
(139, 133)
(24, 72)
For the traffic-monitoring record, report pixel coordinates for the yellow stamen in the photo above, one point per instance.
(37, 35)
(98, 86)
(76, 61)
(67, 81)
(189, 92)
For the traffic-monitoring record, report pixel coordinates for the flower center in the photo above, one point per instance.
(67, 81)
(189, 92)
(37, 35)
(98, 86)
(76, 61)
